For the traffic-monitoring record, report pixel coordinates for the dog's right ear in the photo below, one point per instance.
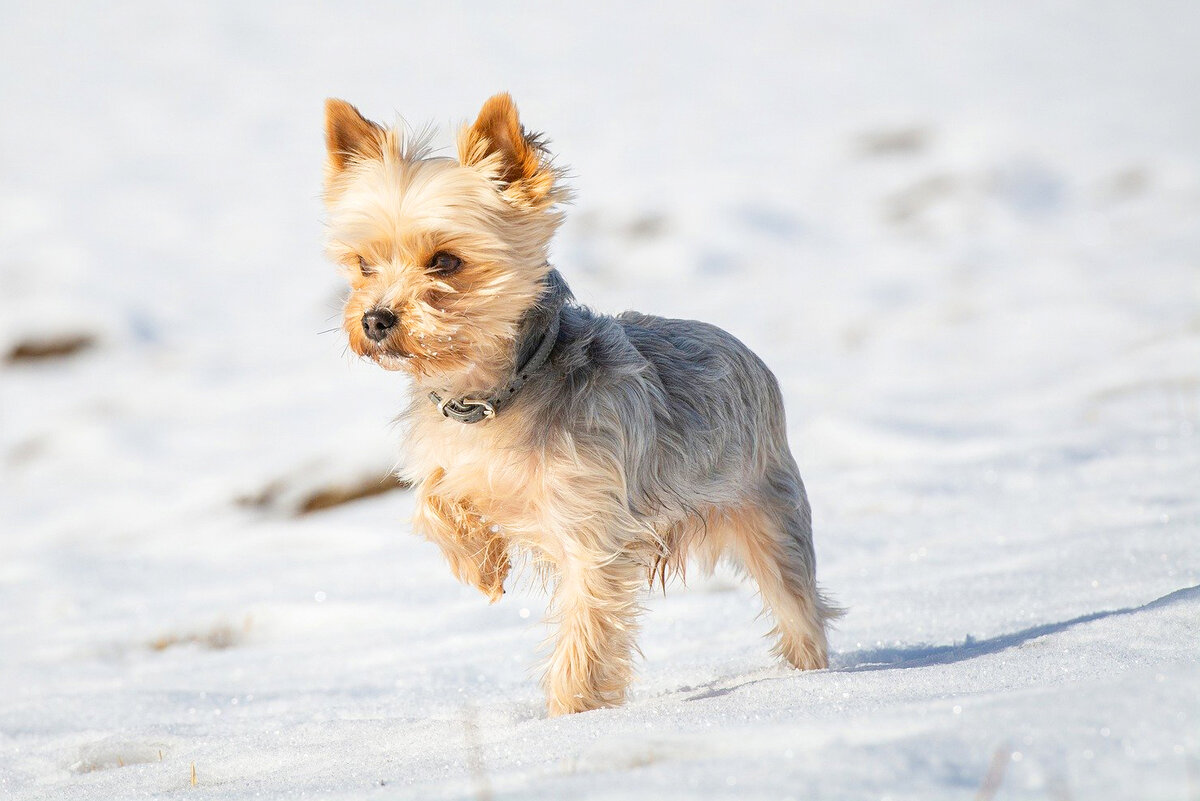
(349, 135)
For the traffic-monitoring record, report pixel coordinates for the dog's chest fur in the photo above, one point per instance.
(485, 465)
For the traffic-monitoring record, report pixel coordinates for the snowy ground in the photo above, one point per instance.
(967, 239)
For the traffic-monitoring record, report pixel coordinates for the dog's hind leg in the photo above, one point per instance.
(771, 536)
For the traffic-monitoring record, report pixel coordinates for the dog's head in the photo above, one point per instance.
(444, 256)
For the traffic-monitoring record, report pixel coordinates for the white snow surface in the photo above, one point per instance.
(965, 236)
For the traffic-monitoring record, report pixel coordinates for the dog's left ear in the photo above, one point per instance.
(514, 158)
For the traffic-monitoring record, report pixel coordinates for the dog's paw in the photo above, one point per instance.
(491, 579)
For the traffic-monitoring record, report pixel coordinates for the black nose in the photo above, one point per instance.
(377, 324)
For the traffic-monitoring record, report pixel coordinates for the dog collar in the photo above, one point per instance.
(473, 410)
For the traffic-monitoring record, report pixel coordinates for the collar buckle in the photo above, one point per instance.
(466, 410)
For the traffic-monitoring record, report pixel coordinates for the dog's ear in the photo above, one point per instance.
(349, 134)
(515, 159)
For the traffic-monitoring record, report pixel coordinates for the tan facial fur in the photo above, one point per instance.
(393, 207)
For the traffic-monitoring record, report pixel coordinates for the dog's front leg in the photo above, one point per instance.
(478, 554)
(596, 607)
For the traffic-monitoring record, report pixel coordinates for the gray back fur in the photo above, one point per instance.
(692, 414)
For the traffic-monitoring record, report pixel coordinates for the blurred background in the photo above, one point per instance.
(965, 236)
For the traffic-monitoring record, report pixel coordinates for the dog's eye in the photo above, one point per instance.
(444, 263)
(363, 268)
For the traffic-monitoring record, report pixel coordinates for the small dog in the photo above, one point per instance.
(610, 449)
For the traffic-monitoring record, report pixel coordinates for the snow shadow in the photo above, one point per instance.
(926, 655)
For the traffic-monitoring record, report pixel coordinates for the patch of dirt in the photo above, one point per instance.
(336, 496)
(35, 349)
(284, 496)
(217, 638)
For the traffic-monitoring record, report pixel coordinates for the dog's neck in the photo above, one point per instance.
(484, 381)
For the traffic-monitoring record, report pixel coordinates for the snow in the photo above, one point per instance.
(965, 238)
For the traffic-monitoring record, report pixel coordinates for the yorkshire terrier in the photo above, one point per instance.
(610, 449)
